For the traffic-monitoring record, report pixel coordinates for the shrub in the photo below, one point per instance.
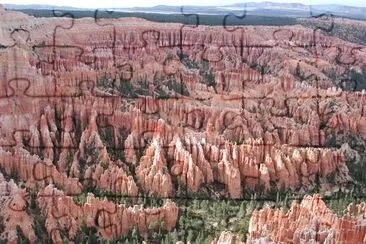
(210, 79)
(126, 89)
(190, 64)
(87, 234)
(80, 199)
(178, 87)
(359, 79)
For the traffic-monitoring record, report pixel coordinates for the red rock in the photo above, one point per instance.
(32, 171)
(308, 222)
(153, 171)
(111, 220)
(252, 131)
(13, 206)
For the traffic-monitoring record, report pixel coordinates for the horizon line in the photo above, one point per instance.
(173, 5)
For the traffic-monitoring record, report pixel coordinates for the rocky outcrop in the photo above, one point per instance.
(115, 107)
(13, 205)
(110, 219)
(153, 173)
(33, 171)
(93, 165)
(254, 165)
(308, 221)
(184, 167)
(113, 180)
(257, 101)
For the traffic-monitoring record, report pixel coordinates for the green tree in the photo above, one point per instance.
(190, 236)
(208, 239)
(242, 210)
(39, 218)
(22, 239)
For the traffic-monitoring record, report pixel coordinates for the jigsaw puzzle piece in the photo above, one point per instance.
(55, 58)
(110, 44)
(71, 50)
(14, 62)
(347, 55)
(324, 23)
(182, 33)
(52, 58)
(212, 53)
(19, 37)
(323, 104)
(298, 110)
(113, 138)
(226, 19)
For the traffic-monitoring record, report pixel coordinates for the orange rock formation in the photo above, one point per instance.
(309, 221)
(252, 110)
(110, 219)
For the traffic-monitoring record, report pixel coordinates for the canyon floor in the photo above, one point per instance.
(129, 131)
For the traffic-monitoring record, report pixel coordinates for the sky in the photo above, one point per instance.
(149, 3)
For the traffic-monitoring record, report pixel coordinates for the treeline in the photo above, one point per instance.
(349, 31)
(168, 18)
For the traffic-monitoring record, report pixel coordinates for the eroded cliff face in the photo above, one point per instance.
(308, 221)
(13, 205)
(64, 216)
(153, 173)
(110, 219)
(123, 107)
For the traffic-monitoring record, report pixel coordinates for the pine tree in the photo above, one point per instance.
(253, 201)
(135, 234)
(190, 236)
(208, 239)
(284, 203)
(21, 238)
(242, 210)
(223, 209)
(278, 198)
(200, 238)
(167, 239)
(175, 236)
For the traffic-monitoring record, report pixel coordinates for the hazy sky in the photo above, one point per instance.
(148, 3)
